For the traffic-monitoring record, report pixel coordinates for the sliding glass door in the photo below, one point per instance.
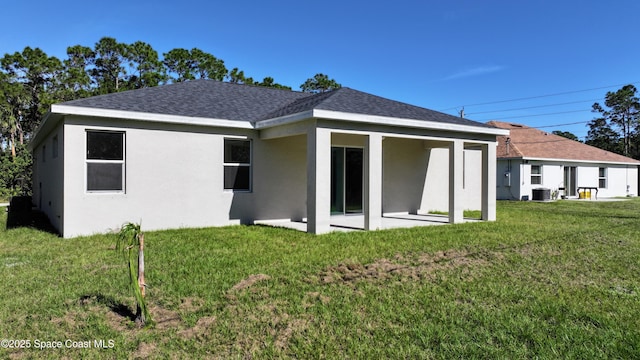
(347, 169)
(570, 180)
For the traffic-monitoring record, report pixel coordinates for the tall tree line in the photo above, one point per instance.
(31, 80)
(617, 126)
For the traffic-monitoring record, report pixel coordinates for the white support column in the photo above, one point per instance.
(373, 183)
(456, 169)
(489, 182)
(318, 180)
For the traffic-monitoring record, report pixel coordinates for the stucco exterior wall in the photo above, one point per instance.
(622, 180)
(436, 186)
(472, 191)
(280, 181)
(47, 186)
(405, 163)
(552, 177)
(173, 179)
(619, 177)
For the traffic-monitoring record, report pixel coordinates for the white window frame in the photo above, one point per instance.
(97, 161)
(601, 178)
(236, 164)
(539, 175)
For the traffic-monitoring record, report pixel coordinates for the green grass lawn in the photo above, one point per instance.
(547, 280)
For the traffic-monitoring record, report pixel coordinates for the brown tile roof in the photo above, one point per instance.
(526, 142)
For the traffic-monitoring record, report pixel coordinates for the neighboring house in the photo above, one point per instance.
(530, 159)
(207, 153)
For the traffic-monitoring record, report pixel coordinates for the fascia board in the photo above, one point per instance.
(49, 120)
(143, 116)
(423, 124)
(582, 161)
(283, 120)
(378, 120)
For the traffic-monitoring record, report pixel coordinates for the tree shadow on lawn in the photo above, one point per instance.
(21, 214)
(108, 301)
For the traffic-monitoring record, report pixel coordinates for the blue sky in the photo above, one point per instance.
(441, 55)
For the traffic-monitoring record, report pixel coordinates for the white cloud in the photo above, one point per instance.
(480, 70)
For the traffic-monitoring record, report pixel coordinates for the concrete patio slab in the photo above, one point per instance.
(356, 222)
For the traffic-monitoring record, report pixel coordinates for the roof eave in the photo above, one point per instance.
(151, 117)
(283, 120)
(634, 163)
(49, 121)
(377, 120)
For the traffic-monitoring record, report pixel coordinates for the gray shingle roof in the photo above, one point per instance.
(219, 100)
(357, 102)
(198, 98)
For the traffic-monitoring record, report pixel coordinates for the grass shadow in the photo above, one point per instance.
(108, 301)
(21, 214)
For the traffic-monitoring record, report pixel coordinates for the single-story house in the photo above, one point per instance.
(207, 153)
(530, 159)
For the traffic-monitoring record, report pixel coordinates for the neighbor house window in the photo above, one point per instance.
(536, 174)
(237, 164)
(105, 161)
(602, 178)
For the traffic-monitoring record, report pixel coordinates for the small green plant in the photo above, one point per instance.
(131, 237)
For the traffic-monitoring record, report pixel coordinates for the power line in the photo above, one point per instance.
(534, 107)
(580, 137)
(542, 96)
(548, 126)
(525, 116)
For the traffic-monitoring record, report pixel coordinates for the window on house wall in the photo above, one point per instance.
(105, 161)
(237, 164)
(602, 178)
(54, 147)
(536, 174)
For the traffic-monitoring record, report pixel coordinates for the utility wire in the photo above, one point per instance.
(525, 116)
(548, 126)
(534, 107)
(545, 141)
(543, 96)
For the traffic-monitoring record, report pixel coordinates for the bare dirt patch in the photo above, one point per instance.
(261, 321)
(250, 281)
(412, 266)
(314, 297)
(294, 326)
(17, 355)
(191, 304)
(68, 321)
(164, 318)
(201, 328)
(263, 324)
(120, 316)
(144, 351)
(117, 321)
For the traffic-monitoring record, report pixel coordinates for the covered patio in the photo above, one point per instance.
(400, 175)
(356, 222)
